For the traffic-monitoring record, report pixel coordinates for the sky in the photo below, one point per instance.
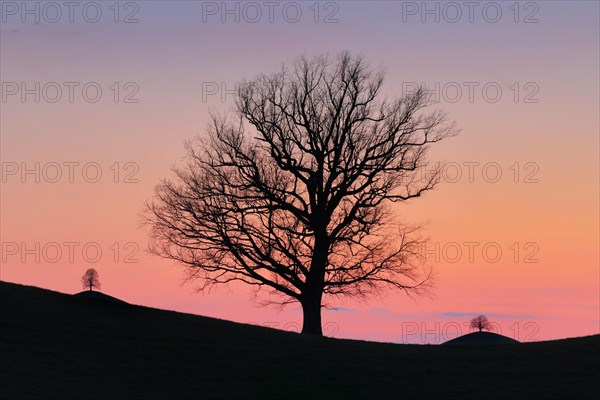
(99, 97)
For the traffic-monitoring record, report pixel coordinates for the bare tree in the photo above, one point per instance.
(91, 279)
(293, 194)
(481, 322)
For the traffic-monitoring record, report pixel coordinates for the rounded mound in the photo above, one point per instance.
(481, 339)
(88, 294)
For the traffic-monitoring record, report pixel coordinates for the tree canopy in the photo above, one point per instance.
(91, 279)
(294, 193)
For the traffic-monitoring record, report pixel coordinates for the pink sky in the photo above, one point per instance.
(544, 208)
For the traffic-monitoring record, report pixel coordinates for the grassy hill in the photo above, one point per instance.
(56, 346)
(97, 296)
(480, 339)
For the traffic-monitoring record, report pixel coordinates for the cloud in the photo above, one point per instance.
(489, 315)
(379, 310)
(341, 309)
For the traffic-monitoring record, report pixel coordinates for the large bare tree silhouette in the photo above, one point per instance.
(294, 193)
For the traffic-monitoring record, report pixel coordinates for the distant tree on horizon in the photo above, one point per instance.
(295, 194)
(91, 279)
(481, 322)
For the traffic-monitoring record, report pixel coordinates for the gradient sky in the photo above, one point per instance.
(541, 135)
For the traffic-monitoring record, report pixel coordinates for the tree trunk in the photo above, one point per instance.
(313, 293)
(311, 312)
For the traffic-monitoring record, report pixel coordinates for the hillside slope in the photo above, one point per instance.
(56, 346)
(480, 339)
(97, 296)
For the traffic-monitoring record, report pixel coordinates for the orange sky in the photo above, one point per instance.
(541, 135)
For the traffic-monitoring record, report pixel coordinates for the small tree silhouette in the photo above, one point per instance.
(91, 279)
(481, 322)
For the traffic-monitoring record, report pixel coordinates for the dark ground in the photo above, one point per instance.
(480, 339)
(92, 294)
(56, 346)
